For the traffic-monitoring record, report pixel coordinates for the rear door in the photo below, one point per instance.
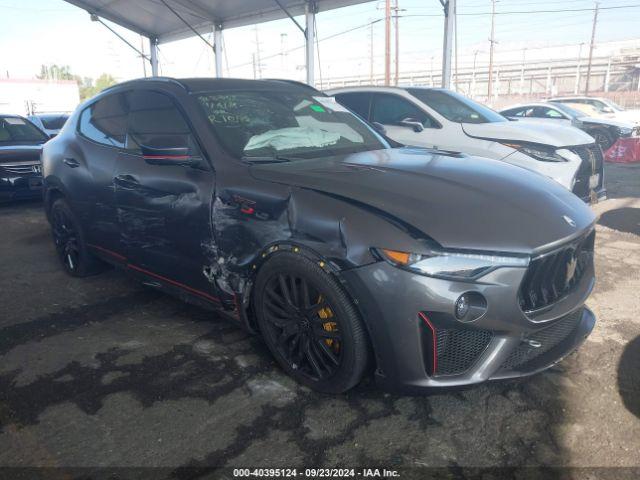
(163, 202)
(88, 165)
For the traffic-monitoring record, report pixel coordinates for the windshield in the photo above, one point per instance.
(16, 130)
(456, 107)
(256, 125)
(53, 122)
(572, 112)
(614, 105)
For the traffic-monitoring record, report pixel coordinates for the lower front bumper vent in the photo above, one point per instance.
(547, 338)
(451, 351)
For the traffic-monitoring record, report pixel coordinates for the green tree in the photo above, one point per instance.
(55, 72)
(88, 88)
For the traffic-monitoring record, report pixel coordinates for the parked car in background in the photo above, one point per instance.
(439, 118)
(605, 131)
(50, 123)
(272, 203)
(20, 168)
(603, 107)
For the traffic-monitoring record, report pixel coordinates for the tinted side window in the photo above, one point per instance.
(545, 112)
(357, 102)
(155, 121)
(106, 121)
(391, 110)
(514, 112)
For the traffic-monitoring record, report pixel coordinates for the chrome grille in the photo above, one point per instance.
(553, 275)
(592, 163)
(21, 168)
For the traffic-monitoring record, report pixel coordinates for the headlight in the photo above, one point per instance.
(449, 264)
(539, 152)
(625, 131)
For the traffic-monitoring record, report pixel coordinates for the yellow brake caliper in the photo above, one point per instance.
(325, 314)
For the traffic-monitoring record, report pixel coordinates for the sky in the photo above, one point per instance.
(36, 32)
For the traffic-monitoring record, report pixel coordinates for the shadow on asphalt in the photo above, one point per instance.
(625, 219)
(629, 376)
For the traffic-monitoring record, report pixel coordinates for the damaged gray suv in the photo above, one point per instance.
(270, 203)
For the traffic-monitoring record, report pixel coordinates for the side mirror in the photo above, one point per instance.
(378, 127)
(413, 124)
(168, 156)
(607, 110)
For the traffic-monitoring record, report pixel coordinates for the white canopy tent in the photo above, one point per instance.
(168, 20)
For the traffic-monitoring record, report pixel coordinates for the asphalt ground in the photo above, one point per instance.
(103, 372)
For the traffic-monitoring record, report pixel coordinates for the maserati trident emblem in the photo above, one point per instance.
(571, 270)
(37, 169)
(569, 220)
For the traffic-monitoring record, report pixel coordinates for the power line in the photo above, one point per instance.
(518, 12)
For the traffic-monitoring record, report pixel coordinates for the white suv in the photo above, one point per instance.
(439, 118)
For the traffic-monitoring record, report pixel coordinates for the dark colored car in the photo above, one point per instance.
(20, 169)
(271, 203)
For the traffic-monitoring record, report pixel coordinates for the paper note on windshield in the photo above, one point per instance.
(330, 104)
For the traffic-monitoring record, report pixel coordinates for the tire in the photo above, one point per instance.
(603, 139)
(320, 342)
(69, 242)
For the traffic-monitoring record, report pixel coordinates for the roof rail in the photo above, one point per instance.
(148, 79)
(293, 82)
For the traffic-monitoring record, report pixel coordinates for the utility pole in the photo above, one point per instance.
(396, 9)
(472, 89)
(524, 52)
(253, 60)
(449, 7)
(593, 38)
(387, 42)
(576, 88)
(371, 52)
(455, 49)
(144, 60)
(257, 61)
(492, 40)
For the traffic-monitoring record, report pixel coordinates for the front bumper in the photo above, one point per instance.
(411, 316)
(20, 187)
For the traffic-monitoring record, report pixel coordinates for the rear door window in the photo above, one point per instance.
(105, 121)
(546, 112)
(357, 102)
(156, 122)
(389, 109)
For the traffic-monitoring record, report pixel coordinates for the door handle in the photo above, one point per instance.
(126, 180)
(71, 162)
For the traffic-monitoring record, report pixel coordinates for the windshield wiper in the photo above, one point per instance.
(265, 159)
(276, 158)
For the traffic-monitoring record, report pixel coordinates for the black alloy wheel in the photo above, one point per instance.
(69, 242)
(310, 324)
(603, 139)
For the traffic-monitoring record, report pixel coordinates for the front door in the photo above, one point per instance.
(163, 200)
(397, 114)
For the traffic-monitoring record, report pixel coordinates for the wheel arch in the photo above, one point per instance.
(329, 266)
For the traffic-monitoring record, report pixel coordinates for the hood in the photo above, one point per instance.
(607, 122)
(459, 201)
(20, 153)
(632, 116)
(542, 133)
